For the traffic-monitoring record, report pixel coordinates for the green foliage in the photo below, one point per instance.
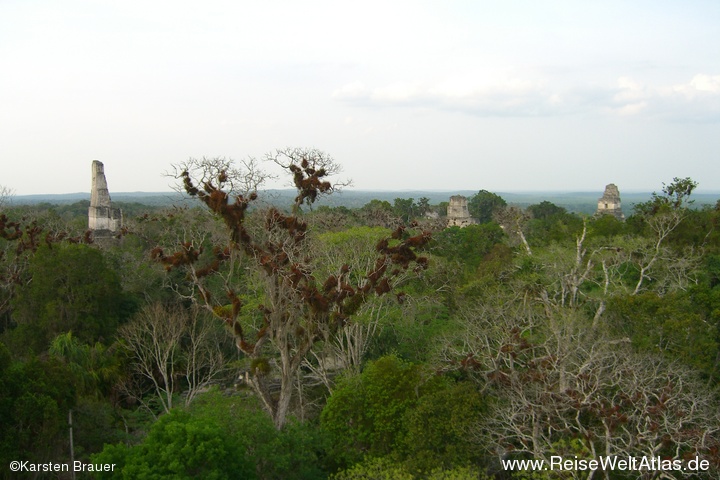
(385, 468)
(407, 209)
(182, 447)
(96, 369)
(675, 196)
(552, 224)
(141, 280)
(483, 205)
(699, 229)
(353, 235)
(295, 453)
(378, 205)
(392, 409)
(96, 372)
(712, 270)
(682, 325)
(95, 423)
(219, 437)
(332, 218)
(364, 415)
(374, 469)
(340, 210)
(423, 205)
(467, 245)
(457, 473)
(354, 247)
(395, 420)
(496, 261)
(35, 396)
(72, 288)
(545, 210)
(378, 213)
(606, 226)
(436, 429)
(411, 330)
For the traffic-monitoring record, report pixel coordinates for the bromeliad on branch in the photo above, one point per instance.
(298, 307)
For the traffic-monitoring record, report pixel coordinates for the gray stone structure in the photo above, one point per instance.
(458, 213)
(102, 217)
(609, 203)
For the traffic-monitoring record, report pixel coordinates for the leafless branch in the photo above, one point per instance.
(235, 177)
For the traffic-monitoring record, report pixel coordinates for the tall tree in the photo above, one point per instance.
(378, 213)
(299, 307)
(545, 210)
(662, 215)
(405, 208)
(484, 204)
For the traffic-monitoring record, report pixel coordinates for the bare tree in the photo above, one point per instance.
(346, 348)
(562, 389)
(5, 194)
(153, 340)
(240, 177)
(595, 270)
(168, 345)
(299, 305)
(514, 220)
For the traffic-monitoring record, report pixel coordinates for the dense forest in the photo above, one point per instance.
(228, 338)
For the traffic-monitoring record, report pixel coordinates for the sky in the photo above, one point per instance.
(511, 95)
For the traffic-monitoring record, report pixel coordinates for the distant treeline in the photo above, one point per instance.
(577, 202)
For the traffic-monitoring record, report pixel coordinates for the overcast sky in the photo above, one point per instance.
(501, 95)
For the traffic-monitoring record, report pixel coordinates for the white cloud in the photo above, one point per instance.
(699, 85)
(398, 92)
(706, 83)
(631, 109)
(696, 100)
(351, 91)
(629, 90)
(510, 97)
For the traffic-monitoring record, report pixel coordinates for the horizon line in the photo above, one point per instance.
(371, 190)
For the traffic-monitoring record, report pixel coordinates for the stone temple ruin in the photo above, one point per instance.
(102, 217)
(609, 203)
(458, 214)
